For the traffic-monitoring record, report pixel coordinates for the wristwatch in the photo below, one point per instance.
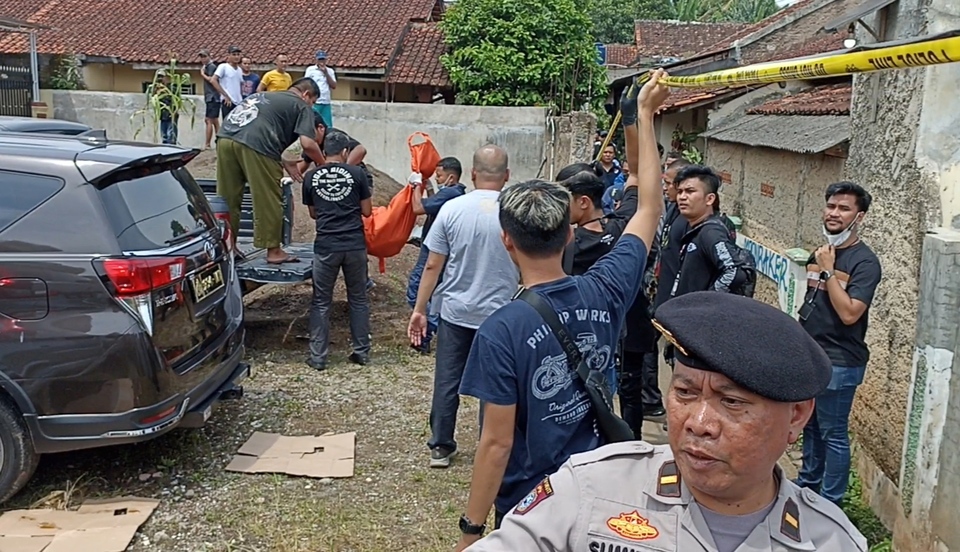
(826, 275)
(468, 528)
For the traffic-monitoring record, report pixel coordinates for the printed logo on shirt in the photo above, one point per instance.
(691, 247)
(607, 239)
(633, 526)
(245, 113)
(332, 184)
(551, 377)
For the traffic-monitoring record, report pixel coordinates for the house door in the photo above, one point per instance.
(16, 91)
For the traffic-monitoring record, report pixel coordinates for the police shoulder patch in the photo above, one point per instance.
(613, 450)
(541, 492)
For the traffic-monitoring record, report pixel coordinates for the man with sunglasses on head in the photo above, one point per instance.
(842, 277)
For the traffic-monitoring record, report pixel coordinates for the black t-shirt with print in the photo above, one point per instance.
(675, 227)
(268, 122)
(335, 191)
(857, 269)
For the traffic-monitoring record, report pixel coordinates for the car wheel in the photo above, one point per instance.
(18, 460)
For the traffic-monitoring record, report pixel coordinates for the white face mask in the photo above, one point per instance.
(836, 240)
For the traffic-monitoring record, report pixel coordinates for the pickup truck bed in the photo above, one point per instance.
(254, 271)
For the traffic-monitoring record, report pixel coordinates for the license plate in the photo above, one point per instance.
(207, 282)
(207, 412)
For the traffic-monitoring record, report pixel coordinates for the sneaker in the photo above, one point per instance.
(653, 413)
(441, 457)
(357, 358)
(371, 284)
(318, 366)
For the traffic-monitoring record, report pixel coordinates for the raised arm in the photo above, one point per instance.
(644, 222)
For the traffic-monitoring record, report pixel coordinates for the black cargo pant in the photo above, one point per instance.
(326, 268)
(639, 387)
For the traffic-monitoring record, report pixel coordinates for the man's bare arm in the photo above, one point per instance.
(428, 281)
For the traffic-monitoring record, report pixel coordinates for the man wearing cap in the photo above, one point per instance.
(228, 80)
(740, 395)
(326, 79)
(211, 98)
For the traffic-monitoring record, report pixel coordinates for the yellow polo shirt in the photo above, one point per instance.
(275, 80)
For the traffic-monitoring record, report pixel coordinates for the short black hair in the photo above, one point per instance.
(335, 142)
(536, 216)
(451, 165)
(572, 169)
(674, 154)
(706, 175)
(679, 164)
(660, 150)
(864, 199)
(306, 84)
(586, 183)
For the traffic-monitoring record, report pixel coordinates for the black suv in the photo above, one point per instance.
(121, 315)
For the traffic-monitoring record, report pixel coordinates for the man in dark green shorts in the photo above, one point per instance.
(250, 147)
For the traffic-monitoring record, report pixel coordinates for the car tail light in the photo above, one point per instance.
(224, 220)
(222, 213)
(133, 280)
(136, 276)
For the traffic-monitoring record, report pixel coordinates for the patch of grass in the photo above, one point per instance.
(860, 514)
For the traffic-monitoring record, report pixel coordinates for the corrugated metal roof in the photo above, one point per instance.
(810, 134)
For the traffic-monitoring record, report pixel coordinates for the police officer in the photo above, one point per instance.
(740, 395)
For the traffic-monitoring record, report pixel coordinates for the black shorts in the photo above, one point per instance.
(213, 110)
(225, 110)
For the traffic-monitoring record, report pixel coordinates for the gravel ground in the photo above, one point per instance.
(394, 501)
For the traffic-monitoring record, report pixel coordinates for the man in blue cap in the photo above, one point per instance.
(326, 79)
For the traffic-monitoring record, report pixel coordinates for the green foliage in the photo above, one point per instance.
(66, 73)
(163, 98)
(522, 53)
(684, 142)
(863, 517)
(716, 11)
(613, 20)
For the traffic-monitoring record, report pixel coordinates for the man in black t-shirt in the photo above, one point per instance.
(338, 195)
(211, 98)
(842, 278)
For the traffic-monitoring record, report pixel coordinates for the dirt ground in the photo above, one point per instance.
(393, 502)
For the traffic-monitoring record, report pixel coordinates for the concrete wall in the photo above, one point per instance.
(383, 128)
(930, 478)
(792, 217)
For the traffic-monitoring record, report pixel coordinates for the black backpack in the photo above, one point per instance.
(743, 259)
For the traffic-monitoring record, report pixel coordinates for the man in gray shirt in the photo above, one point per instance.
(478, 278)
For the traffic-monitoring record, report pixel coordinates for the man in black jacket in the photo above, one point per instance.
(706, 256)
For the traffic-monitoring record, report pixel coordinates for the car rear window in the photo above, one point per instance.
(21, 193)
(154, 211)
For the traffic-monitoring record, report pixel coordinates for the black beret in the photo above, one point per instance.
(757, 346)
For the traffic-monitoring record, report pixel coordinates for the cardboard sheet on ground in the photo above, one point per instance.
(311, 456)
(97, 526)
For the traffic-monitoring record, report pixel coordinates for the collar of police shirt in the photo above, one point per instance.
(784, 518)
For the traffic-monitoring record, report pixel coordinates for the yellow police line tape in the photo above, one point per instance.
(919, 52)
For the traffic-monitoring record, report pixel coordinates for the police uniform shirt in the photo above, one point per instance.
(630, 497)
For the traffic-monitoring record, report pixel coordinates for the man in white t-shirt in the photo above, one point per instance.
(326, 79)
(228, 80)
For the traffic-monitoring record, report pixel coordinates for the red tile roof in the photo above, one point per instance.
(815, 45)
(621, 54)
(358, 34)
(691, 96)
(833, 99)
(418, 60)
(760, 25)
(681, 38)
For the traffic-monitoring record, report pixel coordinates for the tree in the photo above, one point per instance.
(613, 20)
(518, 52)
(716, 11)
